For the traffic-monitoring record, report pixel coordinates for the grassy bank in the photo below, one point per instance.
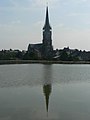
(41, 62)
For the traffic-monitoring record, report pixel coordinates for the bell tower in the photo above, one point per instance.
(47, 38)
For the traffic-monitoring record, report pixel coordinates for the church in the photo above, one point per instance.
(44, 50)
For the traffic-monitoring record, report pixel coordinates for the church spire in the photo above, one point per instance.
(47, 49)
(47, 25)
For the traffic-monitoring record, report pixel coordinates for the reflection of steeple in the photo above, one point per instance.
(47, 91)
(47, 87)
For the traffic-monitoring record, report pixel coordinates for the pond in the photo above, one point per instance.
(44, 92)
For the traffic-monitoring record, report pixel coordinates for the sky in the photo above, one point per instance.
(21, 23)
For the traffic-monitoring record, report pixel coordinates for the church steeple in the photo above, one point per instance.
(47, 50)
(47, 25)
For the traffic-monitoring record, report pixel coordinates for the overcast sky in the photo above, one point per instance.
(21, 23)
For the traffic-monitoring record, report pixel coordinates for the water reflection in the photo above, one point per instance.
(47, 92)
(47, 84)
(25, 89)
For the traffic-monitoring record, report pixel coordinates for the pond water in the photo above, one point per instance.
(44, 92)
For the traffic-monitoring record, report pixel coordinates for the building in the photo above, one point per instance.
(43, 50)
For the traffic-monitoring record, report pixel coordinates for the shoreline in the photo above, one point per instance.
(3, 62)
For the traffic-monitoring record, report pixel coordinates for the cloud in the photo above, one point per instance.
(59, 25)
(17, 5)
(16, 22)
(73, 38)
(10, 4)
(84, 0)
(78, 0)
(14, 3)
(74, 14)
(38, 23)
(28, 4)
(44, 2)
(66, 2)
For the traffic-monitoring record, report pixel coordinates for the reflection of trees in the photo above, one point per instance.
(47, 81)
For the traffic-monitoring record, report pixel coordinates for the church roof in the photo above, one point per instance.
(47, 25)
